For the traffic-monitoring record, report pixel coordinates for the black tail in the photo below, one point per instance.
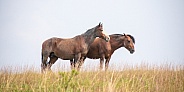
(42, 58)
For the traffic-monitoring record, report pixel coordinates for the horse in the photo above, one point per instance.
(104, 50)
(70, 48)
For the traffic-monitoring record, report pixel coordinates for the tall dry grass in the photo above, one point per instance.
(144, 78)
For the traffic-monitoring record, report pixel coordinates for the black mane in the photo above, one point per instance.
(117, 34)
(133, 39)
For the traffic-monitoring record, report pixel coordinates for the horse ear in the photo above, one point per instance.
(124, 35)
(100, 24)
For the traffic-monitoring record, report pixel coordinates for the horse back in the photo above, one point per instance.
(67, 48)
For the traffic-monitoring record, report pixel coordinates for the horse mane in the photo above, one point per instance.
(133, 39)
(89, 31)
(115, 35)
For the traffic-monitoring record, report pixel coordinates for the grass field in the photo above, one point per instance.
(129, 79)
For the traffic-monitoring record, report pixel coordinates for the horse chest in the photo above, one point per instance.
(84, 49)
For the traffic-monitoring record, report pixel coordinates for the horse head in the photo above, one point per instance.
(129, 42)
(100, 33)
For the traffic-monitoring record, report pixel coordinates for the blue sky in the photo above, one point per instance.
(157, 25)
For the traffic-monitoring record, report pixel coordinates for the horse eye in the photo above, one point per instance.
(128, 41)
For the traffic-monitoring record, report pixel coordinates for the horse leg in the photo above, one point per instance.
(102, 62)
(77, 60)
(72, 64)
(81, 62)
(107, 63)
(44, 62)
(51, 62)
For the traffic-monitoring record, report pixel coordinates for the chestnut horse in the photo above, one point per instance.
(68, 49)
(104, 50)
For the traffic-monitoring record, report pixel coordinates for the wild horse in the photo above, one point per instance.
(104, 50)
(68, 49)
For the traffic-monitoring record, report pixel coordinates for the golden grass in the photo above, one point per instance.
(129, 79)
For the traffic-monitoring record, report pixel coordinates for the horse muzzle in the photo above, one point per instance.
(132, 51)
(107, 39)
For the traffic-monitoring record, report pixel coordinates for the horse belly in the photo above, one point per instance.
(64, 55)
(67, 56)
(93, 55)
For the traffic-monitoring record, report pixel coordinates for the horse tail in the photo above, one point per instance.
(42, 62)
(41, 57)
(44, 55)
(48, 47)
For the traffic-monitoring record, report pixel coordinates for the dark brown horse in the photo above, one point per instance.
(68, 49)
(104, 50)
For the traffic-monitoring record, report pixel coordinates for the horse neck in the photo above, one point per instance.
(116, 43)
(89, 36)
